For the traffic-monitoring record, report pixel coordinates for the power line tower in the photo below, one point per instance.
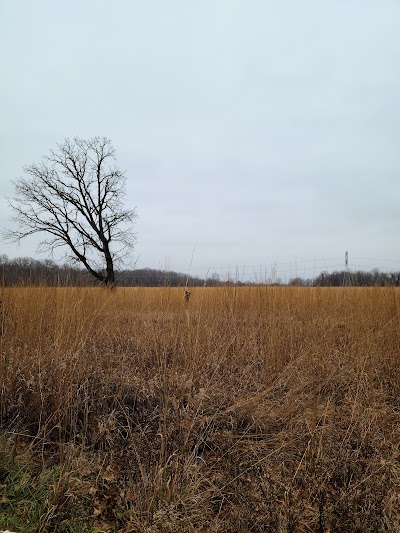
(346, 277)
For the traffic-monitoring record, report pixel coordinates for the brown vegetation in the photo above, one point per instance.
(246, 409)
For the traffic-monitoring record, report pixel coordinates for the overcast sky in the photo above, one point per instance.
(253, 133)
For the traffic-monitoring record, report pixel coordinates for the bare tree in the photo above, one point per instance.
(74, 197)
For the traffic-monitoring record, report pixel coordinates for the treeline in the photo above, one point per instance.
(26, 271)
(359, 278)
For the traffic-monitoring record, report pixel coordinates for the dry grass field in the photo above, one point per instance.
(247, 409)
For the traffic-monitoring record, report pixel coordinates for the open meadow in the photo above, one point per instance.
(245, 409)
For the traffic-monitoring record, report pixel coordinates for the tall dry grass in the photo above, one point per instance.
(246, 409)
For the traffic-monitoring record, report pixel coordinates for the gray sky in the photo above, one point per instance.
(253, 133)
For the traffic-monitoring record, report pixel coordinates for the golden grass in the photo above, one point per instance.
(246, 409)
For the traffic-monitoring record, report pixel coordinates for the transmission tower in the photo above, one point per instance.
(346, 277)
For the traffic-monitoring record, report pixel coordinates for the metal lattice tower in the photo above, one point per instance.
(346, 277)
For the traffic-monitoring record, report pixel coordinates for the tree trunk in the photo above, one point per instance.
(110, 276)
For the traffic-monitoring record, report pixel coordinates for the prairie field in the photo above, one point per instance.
(246, 409)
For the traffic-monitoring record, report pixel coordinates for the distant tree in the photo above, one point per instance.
(75, 197)
(297, 282)
(215, 279)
